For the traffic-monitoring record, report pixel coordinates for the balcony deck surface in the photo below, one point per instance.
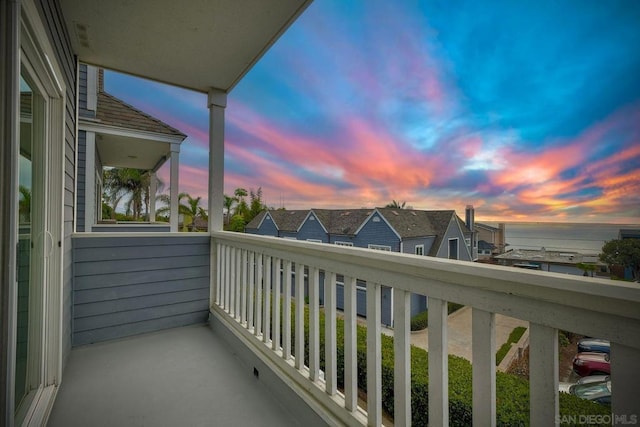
(178, 377)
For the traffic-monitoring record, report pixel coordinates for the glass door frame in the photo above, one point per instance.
(38, 62)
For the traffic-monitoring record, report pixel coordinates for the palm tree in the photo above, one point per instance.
(191, 208)
(134, 183)
(228, 204)
(24, 205)
(396, 205)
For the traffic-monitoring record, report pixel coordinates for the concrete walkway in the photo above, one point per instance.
(459, 328)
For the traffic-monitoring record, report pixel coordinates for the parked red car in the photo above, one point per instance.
(591, 364)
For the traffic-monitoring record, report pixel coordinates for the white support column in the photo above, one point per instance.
(438, 363)
(543, 369)
(484, 367)
(402, 358)
(153, 189)
(374, 351)
(90, 182)
(624, 395)
(174, 186)
(350, 345)
(217, 102)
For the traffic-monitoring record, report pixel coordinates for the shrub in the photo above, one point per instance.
(512, 392)
(420, 321)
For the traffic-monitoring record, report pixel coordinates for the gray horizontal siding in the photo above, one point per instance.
(129, 285)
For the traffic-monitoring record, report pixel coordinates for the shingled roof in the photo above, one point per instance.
(115, 112)
(283, 219)
(342, 221)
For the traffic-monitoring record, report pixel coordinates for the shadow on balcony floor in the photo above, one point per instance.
(179, 377)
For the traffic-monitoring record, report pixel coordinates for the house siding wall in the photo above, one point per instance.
(82, 93)
(81, 177)
(377, 233)
(267, 228)
(311, 229)
(453, 232)
(409, 245)
(53, 23)
(130, 285)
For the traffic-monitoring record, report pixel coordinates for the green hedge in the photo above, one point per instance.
(514, 337)
(512, 392)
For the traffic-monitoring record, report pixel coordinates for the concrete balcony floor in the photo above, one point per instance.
(185, 376)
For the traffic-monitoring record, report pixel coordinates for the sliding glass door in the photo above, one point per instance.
(33, 245)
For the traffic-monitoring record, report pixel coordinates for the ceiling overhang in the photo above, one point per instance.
(195, 44)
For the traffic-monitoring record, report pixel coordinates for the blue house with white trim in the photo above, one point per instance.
(439, 234)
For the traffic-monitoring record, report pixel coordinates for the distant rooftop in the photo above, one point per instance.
(554, 257)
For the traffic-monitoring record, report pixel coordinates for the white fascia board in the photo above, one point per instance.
(93, 126)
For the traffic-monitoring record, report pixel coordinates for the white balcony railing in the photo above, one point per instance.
(249, 298)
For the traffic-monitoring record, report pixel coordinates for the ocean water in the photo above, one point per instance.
(570, 237)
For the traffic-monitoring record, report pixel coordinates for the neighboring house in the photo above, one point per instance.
(112, 133)
(493, 237)
(486, 250)
(629, 233)
(439, 234)
(553, 261)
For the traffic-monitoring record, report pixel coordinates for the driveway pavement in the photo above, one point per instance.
(459, 330)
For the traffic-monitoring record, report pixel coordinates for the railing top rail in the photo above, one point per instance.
(530, 295)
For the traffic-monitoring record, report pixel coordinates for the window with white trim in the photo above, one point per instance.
(343, 243)
(419, 250)
(380, 248)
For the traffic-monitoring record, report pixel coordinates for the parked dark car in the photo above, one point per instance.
(591, 363)
(594, 345)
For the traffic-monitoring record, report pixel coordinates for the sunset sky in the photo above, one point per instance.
(530, 111)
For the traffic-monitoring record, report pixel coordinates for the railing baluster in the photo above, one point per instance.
(350, 345)
(238, 260)
(314, 323)
(232, 283)
(243, 286)
(374, 351)
(286, 314)
(543, 375)
(252, 283)
(266, 295)
(259, 287)
(402, 358)
(219, 273)
(438, 363)
(227, 285)
(299, 347)
(484, 367)
(330, 342)
(275, 343)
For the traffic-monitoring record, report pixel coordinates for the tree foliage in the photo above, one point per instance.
(244, 211)
(625, 252)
